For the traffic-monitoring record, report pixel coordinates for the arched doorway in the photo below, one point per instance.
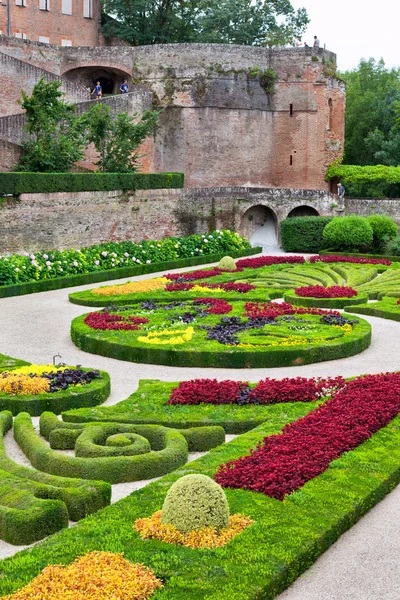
(110, 78)
(303, 211)
(259, 225)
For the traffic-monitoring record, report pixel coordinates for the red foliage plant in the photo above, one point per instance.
(358, 260)
(272, 310)
(107, 322)
(215, 306)
(319, 291)
(266, 261)
(267, 391)
(193, 275)
(241, 288)
(284, 462)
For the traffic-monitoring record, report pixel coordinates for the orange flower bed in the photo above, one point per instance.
(94, 576)
(151, 528)
(15, 384)
(133, 287)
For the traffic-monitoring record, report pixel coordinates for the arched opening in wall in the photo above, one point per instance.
(303, 211)
(259, 225)
(110, 78)
(330, 105)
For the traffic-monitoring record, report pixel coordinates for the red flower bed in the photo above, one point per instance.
(193, 275)
(268, 391)
(283, 463)
(215, 306)
(359, 260)
(272, 310)
(242, 288)
(318, 291)
(106, 322)
(266, 261)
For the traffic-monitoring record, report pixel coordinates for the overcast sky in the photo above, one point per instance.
(355, 29)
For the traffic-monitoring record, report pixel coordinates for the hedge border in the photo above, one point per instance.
(286, 538)
(340, 303)
(47, 502)
(274, 357)
(148, 404)
(91, 394)
(45, 285)
(368, 309)
(16, 183)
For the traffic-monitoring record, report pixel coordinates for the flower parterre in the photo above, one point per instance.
(283, 463)
(41, 379)
(318, 291)
(94, 576)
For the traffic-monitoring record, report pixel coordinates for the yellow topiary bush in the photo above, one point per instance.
(94, 576)
(194, 502)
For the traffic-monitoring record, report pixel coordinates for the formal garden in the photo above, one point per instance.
(278, 468)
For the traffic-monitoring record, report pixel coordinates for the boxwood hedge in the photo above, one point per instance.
(292, 298)
(303, 234)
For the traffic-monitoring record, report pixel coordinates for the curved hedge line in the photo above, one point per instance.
(45, 285)
(91, 394)
(34, 505)
(384, 309)
(292, 298)
(97, 343)
(170, 451)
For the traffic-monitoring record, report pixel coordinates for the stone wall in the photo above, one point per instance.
(65, 220)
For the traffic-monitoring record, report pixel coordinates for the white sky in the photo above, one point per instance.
(355, 29)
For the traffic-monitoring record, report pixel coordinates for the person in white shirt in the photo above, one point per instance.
(316, 42)
(298, 42)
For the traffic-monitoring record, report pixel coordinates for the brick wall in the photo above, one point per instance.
(52, 23)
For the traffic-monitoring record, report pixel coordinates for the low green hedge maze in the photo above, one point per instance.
(30, 183)
(387, 308)
(339, 303)
(94, 459)
(330, 343)
(34, 505)
(284, 541)
(91, 394)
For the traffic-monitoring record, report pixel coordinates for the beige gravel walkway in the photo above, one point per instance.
(364, 564)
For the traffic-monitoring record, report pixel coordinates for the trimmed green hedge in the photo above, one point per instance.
(149, 405)
(292, 298)
(285, 539)
(387, 308)
(31, 287)
(46, 183)
(91, 394)
(34, 505)
(303, 234)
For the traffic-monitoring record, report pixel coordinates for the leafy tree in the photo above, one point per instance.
(117, 137)
(56, 139)
(252, 22)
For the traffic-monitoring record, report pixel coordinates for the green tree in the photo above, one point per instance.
(251, 22)
(56, 138)
(117, 137)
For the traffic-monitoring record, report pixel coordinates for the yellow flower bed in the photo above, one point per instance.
(37, 369)
(176, 337)
(152, 528)
(19, 385)
(133, 287)
(202, 289)
(94, 576)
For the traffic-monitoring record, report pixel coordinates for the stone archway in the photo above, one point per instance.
(303, 211)
(110, 77)
(259, 225)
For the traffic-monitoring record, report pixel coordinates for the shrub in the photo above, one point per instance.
(303, 234)
(348, 233)
(393, 247)
(384, 229)
(194, 502)
(227, 264)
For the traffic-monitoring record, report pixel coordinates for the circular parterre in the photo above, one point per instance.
(212, 332)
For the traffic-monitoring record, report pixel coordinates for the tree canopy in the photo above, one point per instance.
(251, 22)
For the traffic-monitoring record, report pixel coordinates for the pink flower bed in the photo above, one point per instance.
(318, 291)
(284, 462)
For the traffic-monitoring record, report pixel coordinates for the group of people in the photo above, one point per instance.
(97, 92)
(300, 44)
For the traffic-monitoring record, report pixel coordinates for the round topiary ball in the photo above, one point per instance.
(227, 264)
(194, 502)
(351, 234)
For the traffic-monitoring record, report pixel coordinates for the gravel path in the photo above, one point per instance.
(364, 562)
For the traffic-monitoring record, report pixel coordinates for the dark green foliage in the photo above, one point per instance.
(332, 303)
(393, 248)
(348, 233)
(384, 229)
(91, 394)
(284, 541)
(303, 234)
(36, 183)
(229, 21)
(34, 505)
